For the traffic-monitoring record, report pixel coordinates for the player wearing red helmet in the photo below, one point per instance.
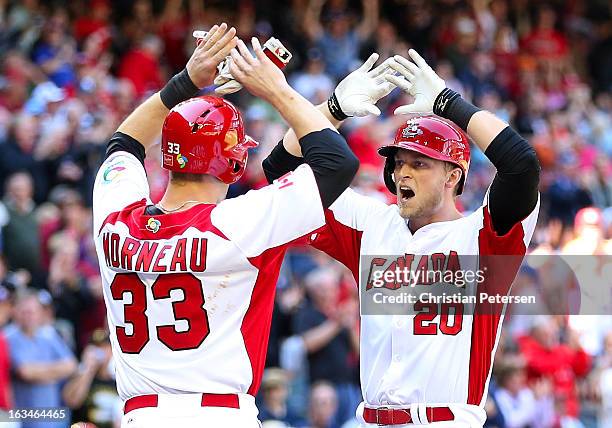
(434, 138)
(189, 281)
(426, 362)
(205, 135)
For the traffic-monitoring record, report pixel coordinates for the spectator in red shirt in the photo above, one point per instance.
(96, 19)
(544, 41)
(563, 364)
(505, 55)
(141, 66)
(173, 27)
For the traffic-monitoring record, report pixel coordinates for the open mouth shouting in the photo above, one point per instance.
(405, 193)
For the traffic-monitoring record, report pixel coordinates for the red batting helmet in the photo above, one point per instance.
(205, 135)
(433, 137)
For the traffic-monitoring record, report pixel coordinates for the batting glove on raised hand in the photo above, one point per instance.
(225, 81)
(273, 48)
(419, 80)
(357, 93)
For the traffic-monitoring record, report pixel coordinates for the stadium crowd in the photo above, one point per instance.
(71, 71)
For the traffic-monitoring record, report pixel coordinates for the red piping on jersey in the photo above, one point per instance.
(256, 323)
(500, 275)
(172, 224)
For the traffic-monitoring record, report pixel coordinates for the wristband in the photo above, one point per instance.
(450, 105)
(334, 108)
(278, 54)
(178, 89)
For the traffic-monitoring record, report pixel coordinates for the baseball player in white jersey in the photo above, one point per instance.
(432, 366)
(189, 282)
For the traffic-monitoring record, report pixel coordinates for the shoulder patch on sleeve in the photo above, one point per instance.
(113, 171)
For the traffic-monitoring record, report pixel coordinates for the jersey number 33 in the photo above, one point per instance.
(190, 309)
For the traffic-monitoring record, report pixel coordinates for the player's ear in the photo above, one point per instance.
(453, 177)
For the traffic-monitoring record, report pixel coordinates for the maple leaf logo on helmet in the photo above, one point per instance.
(412, 130)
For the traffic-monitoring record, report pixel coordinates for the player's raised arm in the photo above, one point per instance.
(144, 124)
(121, 179)
(326, 151)
(514, 191)
(355, 96)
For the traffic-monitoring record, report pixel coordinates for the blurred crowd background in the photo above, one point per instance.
(70, 71)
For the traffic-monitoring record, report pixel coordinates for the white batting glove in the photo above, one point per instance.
(225, 81)
(358, 92)
(419, 80)
(226, 84)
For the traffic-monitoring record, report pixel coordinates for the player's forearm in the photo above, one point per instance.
(324, 150)
(514, 191)
(290, 140)
(287, 155)
(483, 127)
(145, 123)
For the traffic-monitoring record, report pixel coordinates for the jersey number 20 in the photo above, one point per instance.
(190, 309)
(425, 325)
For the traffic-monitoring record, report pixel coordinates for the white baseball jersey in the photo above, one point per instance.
(431, 357)
(189, 295)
